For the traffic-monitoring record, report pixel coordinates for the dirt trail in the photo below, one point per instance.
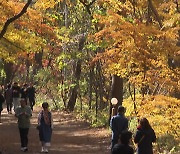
(70, 136)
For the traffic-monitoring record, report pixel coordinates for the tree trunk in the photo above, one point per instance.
(66, 12)
(100, 86)
(8, 68)
(27, 68)
(116, 92)
(91, 75)
(73, 97)
(96, 91)
(38, 63)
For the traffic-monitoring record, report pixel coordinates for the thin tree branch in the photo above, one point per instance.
(155, 13)
(133, 98)
(10, 20)
(87, 6)
(177, 6)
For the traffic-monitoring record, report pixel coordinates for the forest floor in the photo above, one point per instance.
(70, 136)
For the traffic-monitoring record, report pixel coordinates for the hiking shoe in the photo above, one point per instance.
(24, 149)
(42, 149)
(46, 150)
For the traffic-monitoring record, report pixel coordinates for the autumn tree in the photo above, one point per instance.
(26, 37)
(137, 50)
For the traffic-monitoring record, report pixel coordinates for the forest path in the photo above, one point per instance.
(70, 136)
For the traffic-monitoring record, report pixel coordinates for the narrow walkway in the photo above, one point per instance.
(70, 136)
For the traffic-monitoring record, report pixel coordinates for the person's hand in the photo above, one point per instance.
(20, 114)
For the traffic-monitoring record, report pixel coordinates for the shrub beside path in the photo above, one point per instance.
(70, 136)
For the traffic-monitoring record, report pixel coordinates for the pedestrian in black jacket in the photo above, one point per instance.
(118, 124)
(144, 137)
(123, 146)
(8, 98)
(1, 103)
(31, 95)
(24, 91)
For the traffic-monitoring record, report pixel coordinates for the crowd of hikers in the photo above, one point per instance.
(12, 94)
(20, 100)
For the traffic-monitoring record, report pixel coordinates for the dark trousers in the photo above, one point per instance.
(113, 143)
(31, 102)
(24, 136)
(9, 106)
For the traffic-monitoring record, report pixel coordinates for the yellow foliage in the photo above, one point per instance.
(26, 34)
(46, 4)
(135, 50)
(161, 111)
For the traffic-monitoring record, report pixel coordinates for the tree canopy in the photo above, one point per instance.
(72, 49)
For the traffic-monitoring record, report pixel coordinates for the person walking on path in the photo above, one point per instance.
(23, 113)
(118, 123)
(45, 125)
(8, 98)
(1, 103)
(16, 91)
(123, 146)
(144, 137)
(31, 95)
(24, 91)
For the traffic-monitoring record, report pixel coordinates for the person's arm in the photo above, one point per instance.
(111, 123)
(132, 151)
(11, 95)
(28, 112)
(137, 136)
(34, 91)
(5, 95)
(52, 126)
(19, 91)
(153, 136)
(2, 98)
(125, 124)
(114, 150)
(114, 124)
(39, 118)
(18, 113)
